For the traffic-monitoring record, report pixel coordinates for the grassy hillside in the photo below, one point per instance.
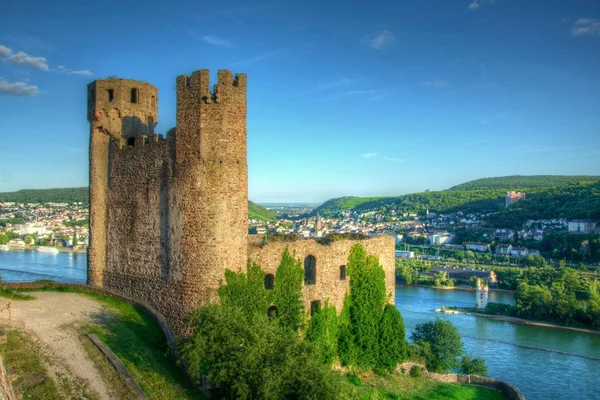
(259, 212)
(342, 203)
(524, 182)
(82, 194)
(63, 195)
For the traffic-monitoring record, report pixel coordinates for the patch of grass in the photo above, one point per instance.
(404, 387)
(14, 295)
(24, 358)
(114, 382)
(138, 341)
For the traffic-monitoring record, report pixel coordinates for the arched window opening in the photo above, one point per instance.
(134, 95)
(315, 306)
(153, 101)
(342, 273)
(272, 312)
(111, 95)
(131, 141)
(269, 281)
(310, 270)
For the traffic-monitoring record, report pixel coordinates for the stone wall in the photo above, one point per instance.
(167, 218)
(329, 259)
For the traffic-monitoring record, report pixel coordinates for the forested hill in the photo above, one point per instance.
(63, 195)
(575, 201)
(82, 194)
(521, 182)
(570, 197)
(441, 202)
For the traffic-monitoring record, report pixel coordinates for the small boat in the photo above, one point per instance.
(3, 247)
(45, 249)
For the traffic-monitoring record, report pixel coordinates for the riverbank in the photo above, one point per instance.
(466, 288)
(60, 249)
(515, 320)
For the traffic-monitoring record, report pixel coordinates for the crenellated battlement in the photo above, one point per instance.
(198, 85)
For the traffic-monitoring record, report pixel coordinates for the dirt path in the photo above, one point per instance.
(46, 317)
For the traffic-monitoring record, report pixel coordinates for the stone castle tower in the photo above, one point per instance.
(168, 216)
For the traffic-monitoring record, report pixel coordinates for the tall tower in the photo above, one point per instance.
(118, 110)
(481, 294)
(210, 190)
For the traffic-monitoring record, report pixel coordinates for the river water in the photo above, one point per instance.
(544, 363)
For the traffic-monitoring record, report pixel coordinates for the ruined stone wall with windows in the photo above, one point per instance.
(324, 265)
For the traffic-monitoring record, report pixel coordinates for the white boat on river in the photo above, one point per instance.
(44, 249)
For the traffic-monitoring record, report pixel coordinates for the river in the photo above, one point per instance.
(545, 363)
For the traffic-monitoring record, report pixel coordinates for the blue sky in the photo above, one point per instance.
(344, 98)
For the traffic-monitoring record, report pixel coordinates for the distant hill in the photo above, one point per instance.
(63, 195)
(82, 194)
(525, 182)
(259, 212)
(548, 196)
(580, 200)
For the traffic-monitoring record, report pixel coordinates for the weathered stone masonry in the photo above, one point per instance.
(169, 215)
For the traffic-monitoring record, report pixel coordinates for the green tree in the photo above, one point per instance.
(366, 301)
(473, 366)
(246, 291)
(74, 243)
(392, 343)
(3, 238)
(323, 333)
(287, 292)
(441, 344)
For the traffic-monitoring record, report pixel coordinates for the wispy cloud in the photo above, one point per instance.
(586, 27)
(22, 58)
(369, 155)
(380, 40)
(564, 148)
(254, 60)
(435, 84)
(332, 84)
(382, 156)
(17, 88)
(63, 70)
(213, 40)
(475, 4)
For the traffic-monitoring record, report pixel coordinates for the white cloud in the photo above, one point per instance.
(22, 58)
(67, 71)
(380, 40)
(5, 52)
(254, 60)
(332, 85)
(18, 88)
(435, 84)
(216, 41)
(586, 27)
(392, 159)
(474, 5)
(369, 155)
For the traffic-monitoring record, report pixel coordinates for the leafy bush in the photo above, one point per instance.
(287, 292)
(440, 342)
(473, 366)
(416, 371)
(323, 333)
(392, 344)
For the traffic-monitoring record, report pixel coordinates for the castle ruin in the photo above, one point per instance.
(169, 215)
